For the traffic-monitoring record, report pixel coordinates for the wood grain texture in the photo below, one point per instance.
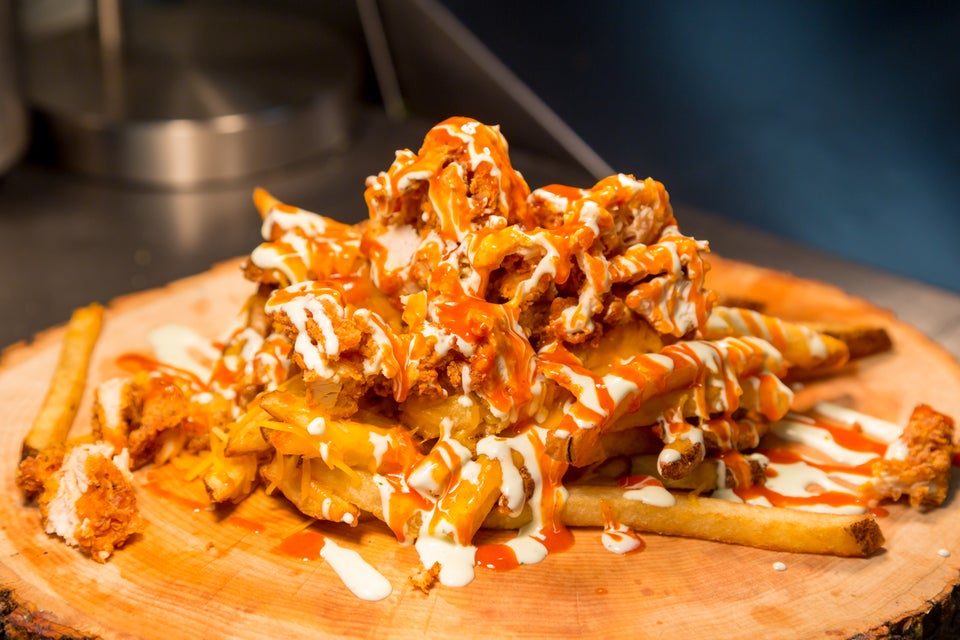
(218, 573)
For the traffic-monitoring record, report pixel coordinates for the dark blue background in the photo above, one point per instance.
(832, 123)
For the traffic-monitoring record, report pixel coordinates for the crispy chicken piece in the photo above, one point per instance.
(467, 161)
(132, 414)
(459, 182)
(334, 342)
(918, 464)
(34, 470)
(89, 500)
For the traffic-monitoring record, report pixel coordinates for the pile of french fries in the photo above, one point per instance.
(480, 355)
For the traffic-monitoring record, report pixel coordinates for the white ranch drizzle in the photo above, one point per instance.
(653, 495)
(666, 293)
(183, 348)
(620, 539)
(357, 574)
(801, 479)
(803, 430)
(456, 561)
(794, 480)
(882, 430)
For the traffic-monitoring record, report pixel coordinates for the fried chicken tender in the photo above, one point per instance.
(918, 465)
(148, 415)
(90, 502)
(334, 341)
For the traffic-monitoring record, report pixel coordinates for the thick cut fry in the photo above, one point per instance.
(627, 442)
(423, 415)
(323, 493)
(315, 496)
(343, 443)
(245, 437)
(705, 476)
(680, 457)
(59, 408)
(773, 528)
(701, 478)
(461, 510)
(585, 447)
(801, 346)
(264, 201)
(861, 340)
(231, 478)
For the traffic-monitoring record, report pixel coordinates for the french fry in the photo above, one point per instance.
(231, 478)
(312, 487)
(341, 443)
(461, 510)
(773, 528)
(264, 201)
(680, 389)
(702, 478)
(801, 346)
(680, 457)
(244, 436)
(626, 442)
(423, 416)
(861, 340)
(725, 434)
(59, 407)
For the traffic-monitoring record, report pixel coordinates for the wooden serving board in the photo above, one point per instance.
(197, 572)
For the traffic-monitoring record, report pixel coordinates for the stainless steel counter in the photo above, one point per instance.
(66, 240)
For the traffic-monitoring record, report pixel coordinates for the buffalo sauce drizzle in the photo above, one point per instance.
(463, 239)
(820, 464)
(449, 247)
(714, 372)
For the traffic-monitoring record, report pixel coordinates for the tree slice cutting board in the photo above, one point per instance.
(202, 572)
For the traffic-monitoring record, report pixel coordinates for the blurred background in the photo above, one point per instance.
(816, 137)
(833, 123)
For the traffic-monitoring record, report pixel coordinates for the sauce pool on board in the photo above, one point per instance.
(359, 576)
